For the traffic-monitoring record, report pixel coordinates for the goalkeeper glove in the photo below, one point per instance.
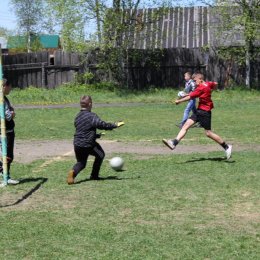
(119, 123)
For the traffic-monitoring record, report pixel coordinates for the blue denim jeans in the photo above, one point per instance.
(190, 106)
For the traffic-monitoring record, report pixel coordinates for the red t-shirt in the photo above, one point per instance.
(203, 92)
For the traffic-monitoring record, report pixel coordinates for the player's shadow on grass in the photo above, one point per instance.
(214, 159)
(108, 178)
(40, 181)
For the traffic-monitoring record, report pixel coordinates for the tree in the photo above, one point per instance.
(4, 32)
(117, 23)
(67, 17)
(122, 26)
(95, 10)
(240, 19)
(250, 20)
(29, 14)
(71, 17)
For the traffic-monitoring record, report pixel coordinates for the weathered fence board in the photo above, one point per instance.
(167, 69)
(38, 69)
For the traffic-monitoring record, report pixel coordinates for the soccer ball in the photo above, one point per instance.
(116, 163)
(181, 94)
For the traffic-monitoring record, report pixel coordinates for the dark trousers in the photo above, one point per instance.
(82, 154)
(10, 152)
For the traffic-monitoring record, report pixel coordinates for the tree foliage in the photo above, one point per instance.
(120, 26)
(4, 32)
(29, 15)
(239, 25)
(71, 17)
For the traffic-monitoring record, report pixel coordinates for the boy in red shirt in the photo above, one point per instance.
(203, 114)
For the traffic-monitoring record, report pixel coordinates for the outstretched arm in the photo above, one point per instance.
(100, 124)
(186, 98)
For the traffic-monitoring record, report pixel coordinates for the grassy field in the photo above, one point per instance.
(234, 117)
(100, 93)
(103, 94)
(195, 206)
(181, 207)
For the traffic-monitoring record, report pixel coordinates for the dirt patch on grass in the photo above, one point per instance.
(29, 151)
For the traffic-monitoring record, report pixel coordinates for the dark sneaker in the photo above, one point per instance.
(169, 143)
(71, 177)
(95, 178)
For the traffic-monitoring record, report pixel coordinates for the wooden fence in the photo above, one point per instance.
(166, 69)
(40, 69)
(159, 68)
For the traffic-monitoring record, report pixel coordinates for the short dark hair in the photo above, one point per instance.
(85, 101)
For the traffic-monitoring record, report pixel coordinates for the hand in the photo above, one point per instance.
(119, 123)
(177, 102)
(13, 114)
(99, 135)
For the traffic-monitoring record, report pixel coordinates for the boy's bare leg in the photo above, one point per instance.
(188, 124)
(172, 143)
(219, 140)
(214, 137)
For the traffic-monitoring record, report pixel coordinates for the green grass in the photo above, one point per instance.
(106, 93)
(234, 119)
(166, 207)
(194, 206)
(100, 93)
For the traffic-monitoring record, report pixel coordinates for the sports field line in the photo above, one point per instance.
(55, 159)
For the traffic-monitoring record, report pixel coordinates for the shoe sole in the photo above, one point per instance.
(70, 178)
(12, 183)
(166, 143)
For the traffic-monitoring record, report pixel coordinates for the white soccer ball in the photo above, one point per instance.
(116, 163)
(181, 94)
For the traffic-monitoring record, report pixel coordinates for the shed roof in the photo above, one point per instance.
(47, 41)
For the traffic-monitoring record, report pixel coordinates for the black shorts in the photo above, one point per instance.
(203, 117)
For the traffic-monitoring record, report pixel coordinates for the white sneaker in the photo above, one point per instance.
(13, 182)
(169, 143)
(229, 152)
(3, 184)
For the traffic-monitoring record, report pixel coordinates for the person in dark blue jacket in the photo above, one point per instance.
(10, 134)
(86, 124)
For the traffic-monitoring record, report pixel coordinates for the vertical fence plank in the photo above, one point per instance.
(34, 69)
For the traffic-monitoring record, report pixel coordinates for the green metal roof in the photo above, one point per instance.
(16, 42)
(47, 41)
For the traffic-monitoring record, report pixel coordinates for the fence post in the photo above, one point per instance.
(3, 130)
(43, 75)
